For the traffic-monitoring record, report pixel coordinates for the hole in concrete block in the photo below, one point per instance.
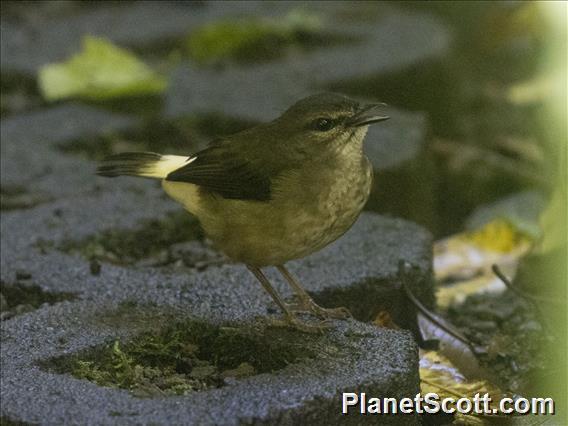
(18, 93)
(176, 239)
(192, 356)
(246, 41)
(182, 135)
(370, 300)
(20, 298)
(359, 299)
(14, 197)
(7, 421)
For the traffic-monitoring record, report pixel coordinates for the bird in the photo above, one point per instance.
(276, 192)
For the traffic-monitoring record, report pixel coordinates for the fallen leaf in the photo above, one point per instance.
(465, 260)
(384, 320)
(100, 71)
(439, 375)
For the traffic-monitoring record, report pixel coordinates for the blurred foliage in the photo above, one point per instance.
(100, 71)
(251, 39)
(553, 224)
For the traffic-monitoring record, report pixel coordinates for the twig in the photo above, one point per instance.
(470, 153)
(522, 293)
(434, 318)
(533, 300)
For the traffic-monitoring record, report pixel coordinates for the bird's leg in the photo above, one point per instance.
(307, 303)
(290, 319)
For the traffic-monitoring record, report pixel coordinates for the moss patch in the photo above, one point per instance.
(245, 40)
(152, 239)
(256, 40)
(13, 197)
(192, 356)
(183, 135)
(6, 421)
(20, 298)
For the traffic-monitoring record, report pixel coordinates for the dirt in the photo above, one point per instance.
(518, 342)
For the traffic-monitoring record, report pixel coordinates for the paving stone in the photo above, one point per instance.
(359, 271)
(371, 360)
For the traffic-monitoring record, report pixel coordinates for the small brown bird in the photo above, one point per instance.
(276, 192)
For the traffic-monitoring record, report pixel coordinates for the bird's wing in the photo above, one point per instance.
(223, 170)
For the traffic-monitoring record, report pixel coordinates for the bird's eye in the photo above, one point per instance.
(324, 124)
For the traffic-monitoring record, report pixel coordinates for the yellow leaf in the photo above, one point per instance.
(498, 235)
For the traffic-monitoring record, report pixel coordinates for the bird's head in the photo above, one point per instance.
(328, 121)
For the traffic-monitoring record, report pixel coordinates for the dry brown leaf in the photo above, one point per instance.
(439, 375)
(384, 320)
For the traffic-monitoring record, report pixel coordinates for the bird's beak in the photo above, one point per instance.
(368, 114)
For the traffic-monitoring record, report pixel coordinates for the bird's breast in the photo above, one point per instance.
(310, 208)
(326, 202)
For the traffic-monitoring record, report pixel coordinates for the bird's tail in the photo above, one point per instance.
(145, 164)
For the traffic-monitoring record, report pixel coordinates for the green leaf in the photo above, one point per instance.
(100, 71)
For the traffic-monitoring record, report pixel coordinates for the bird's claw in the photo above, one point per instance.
(294, 322)
(323, 313)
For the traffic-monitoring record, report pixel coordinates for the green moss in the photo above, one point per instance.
(20, 298)
(6, 421)
(128, 246)
(243, 41)
(258, 39)
(183, 135)
(191, 356)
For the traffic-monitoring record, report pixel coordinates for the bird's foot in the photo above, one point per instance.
(290, 321)
(324, 313)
